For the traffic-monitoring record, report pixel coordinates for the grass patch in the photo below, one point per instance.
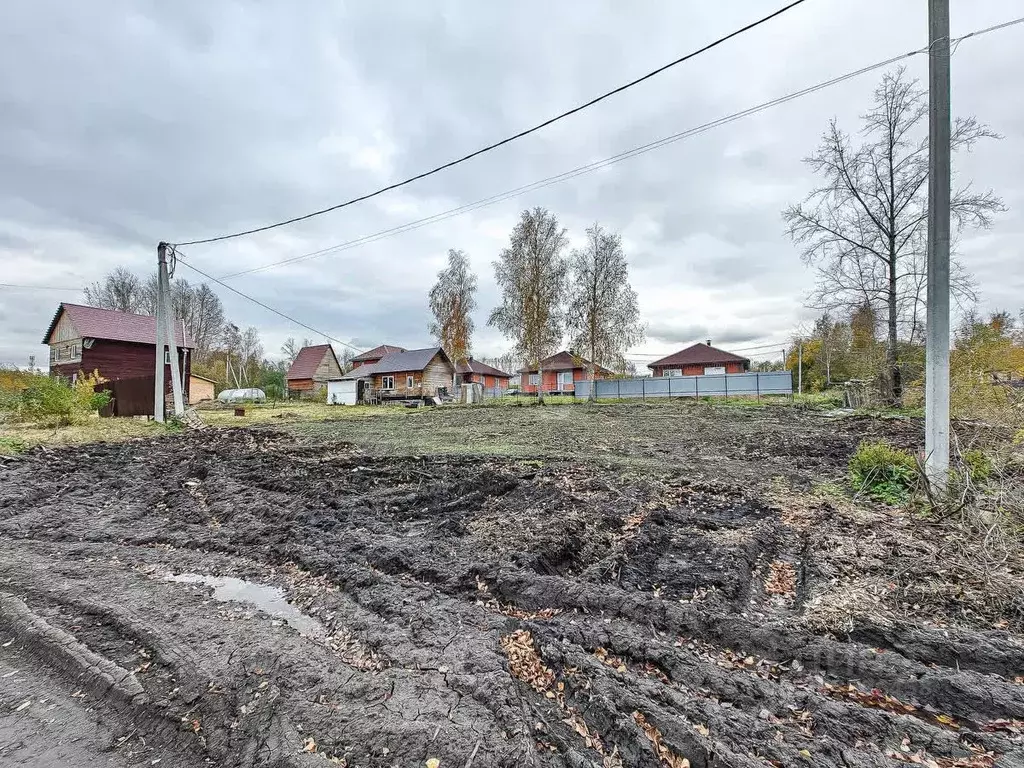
(296, 411)
(18, 437)
(882, 472)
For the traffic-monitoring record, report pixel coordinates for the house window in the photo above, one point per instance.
(534, 379)
(565, 378)
(714, 370)
(410, 381)
(53, 353)
(387, 382)
(167, 357)
(74, 351)
(672, 372)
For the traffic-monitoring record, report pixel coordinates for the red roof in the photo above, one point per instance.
(308, 360)
(564, 361)
(109, 324)
(698, 354)
(377, 353)
(475, 366)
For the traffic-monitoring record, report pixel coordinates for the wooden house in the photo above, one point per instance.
(472, 371)
(409, 374)
(312, 368)
(561, 371)
(699, 360)
(119, 345)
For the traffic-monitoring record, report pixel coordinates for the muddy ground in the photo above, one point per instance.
(482, 601)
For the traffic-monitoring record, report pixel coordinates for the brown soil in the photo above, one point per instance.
(481, 612)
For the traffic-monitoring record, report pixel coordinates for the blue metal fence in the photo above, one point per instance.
(720, 385)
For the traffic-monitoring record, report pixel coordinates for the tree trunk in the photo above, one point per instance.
(895, 394)
(590, 374)
(540, 383)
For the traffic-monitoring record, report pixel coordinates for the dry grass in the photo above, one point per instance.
(17, 437)
(292, 412)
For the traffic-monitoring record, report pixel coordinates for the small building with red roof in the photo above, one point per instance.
(471, 371)
(119, 345)
(560, 373)
(312, 368)
(699, 360)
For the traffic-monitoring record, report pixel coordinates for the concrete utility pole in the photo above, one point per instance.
(166, 343)
(936, 392)
(800, 368)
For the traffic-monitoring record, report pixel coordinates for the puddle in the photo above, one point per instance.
(270, 600)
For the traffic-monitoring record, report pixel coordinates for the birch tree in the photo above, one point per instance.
(452, 301)
(121, 289)
(865, 227)
(531, 274)
(603, 316)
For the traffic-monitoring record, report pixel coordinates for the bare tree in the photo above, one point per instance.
(197, 306)
(865, 227)
(121, 289)
(603, 316)
(290, 349)
(452, 301)
(531, 273)
(243, 355)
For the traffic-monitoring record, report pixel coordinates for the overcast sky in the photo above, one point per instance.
(126, 123)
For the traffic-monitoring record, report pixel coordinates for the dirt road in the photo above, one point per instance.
(477, 609)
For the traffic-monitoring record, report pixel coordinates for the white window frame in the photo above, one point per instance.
(167, 356)
(410, 381)
(564, 378)
(672, 372)
(534, 379)
(714, 370)
(387, 382)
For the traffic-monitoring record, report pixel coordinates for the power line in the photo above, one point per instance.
(38, 287)
(178, 256)
(598, 164)
(507, 140)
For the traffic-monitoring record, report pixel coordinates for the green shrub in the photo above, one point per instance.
(978, 465)
(883, 472)
(53, 402)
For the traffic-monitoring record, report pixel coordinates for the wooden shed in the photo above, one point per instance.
(201, 388)
(312, 368)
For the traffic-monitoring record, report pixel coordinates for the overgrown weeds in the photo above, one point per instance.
(883, 473)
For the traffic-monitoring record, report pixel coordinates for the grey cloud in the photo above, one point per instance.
(125, 123)
(688, 334)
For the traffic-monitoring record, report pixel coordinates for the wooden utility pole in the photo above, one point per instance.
(936, 396)
(166, 343)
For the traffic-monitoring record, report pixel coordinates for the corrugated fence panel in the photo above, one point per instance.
(718, 385)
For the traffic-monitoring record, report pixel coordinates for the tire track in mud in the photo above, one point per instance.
(645, 598)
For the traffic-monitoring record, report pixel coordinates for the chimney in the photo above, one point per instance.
(709, 342)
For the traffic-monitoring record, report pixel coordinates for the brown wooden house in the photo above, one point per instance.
(119, 345)
(472, 371)
(410, 374)
(312, 368)
(561, 371)
(699, 360)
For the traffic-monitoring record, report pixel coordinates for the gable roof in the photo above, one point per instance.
(111, 325)
(563, 361)
(308, 360)
(398, 362)
(376, 353)
(698, 354)
(475, 366)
